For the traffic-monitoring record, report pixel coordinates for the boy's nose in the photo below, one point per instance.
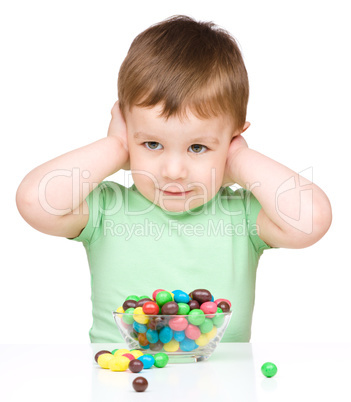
(174, 168)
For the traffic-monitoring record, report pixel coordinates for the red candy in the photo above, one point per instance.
(192, 332)
(129, 355)
(209, 308)
(151, 308)
(178, 323)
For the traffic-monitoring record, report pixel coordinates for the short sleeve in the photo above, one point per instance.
(252, 208)
(102, 201)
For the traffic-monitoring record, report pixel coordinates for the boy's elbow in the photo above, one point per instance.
(24, 201)
(319, 226)
(311, 230)
(322, 219)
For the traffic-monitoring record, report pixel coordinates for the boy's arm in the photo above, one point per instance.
(295, 212)
(51, 198)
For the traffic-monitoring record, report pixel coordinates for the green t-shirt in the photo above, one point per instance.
(135, 247)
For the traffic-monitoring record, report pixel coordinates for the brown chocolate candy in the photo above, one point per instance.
(193, 304)
(135, 366)
(101, 353)
(224, 306)
(201, 295)
(170, 308)
(141, 302)
(140, 384)
(157, 323)
(129, 304)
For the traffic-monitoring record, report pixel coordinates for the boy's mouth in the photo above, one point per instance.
(174, 191)
(178, 193)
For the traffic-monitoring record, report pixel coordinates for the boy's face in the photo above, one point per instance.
(178, 165)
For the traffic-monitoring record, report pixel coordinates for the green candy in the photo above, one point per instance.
(183, 309)
(163, 297)
(196, 316)
(269, 369)
(206, 326)
(128, 316)
(218, 320)
(161, 359)
(144, 297)
(133, 297)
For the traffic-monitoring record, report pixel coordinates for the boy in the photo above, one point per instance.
(183, 92)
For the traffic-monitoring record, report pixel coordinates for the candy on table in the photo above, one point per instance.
(150, 325)
(140, 384)
(148, 360)
(136, 365)
(101, 353)
(269, 369)
(134, 360)
(118, 363)
(104, 360)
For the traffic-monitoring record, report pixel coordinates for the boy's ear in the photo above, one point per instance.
(238, 132)
(246, 126)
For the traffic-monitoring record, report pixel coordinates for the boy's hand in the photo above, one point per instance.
(237, 144)
(118, 129)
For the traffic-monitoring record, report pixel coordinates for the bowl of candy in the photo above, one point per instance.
(187, 327)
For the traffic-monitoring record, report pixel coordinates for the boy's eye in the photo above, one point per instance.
(153, 145)
(197, 148)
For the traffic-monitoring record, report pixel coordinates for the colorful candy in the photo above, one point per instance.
(134, 360)
(175, 321)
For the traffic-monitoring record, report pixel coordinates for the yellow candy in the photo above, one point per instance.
(202, 340)
(120, 352)
(139, 316)
(119, 363)
(210, 335)
(120, 310)
(171, 346)
(136, 353)
(103, 360)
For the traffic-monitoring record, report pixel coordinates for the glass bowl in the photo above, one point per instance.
(181, 337)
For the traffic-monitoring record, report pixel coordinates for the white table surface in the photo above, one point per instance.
(306, 372)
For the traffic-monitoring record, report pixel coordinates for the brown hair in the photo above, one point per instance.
(181, 63)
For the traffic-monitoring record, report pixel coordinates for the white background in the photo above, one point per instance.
(60, 61)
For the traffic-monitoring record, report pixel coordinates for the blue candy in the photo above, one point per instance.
(165, 334)
(152, 335)
(140, 328)
(148, 360)
(179, 335)
(187, 345)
